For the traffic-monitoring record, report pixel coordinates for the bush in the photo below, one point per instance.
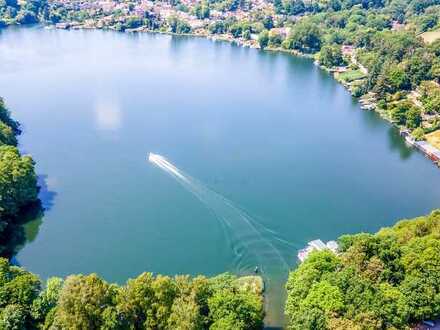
(331, 56)
(263, 39)
(413, 118)
(305, 36)
(18, 181)
(399, 111)
(177, 25)
(418, 134)
(275, 39)
(7, 135)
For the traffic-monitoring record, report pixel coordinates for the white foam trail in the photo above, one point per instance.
(252, 243)
(161, 162)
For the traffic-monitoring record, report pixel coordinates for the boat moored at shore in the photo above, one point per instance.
(317, 245)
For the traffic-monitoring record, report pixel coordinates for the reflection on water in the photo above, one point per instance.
(26, 229)
(46, 193)
(398, 144)
(32, 228)
(271, 132)
(108, 114)
(16, 235)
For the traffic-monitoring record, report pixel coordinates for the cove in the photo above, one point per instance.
(268, 132)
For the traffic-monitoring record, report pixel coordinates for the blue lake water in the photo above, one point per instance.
(277, 154)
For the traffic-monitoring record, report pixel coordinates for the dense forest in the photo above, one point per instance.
(387, 280)
(147, 302)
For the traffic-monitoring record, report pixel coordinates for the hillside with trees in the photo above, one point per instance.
(387, 280)
(22, 12)
(389, 58)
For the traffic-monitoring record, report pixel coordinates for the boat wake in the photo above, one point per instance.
(253, 244)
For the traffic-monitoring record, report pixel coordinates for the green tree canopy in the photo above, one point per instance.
(263, 39)
(331, 56)
(305, 36)
(388, 280)
(18, 181)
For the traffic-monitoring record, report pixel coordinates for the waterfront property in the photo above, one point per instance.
(426, 148)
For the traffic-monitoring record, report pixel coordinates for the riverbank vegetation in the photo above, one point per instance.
(18, 183)
(388, 51)
(22, 12)
(387, 280)
(146, 302)
(87, 301)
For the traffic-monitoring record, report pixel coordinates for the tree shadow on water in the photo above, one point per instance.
(21, 230)
(397, 143)
(45, 195)
(24, 227)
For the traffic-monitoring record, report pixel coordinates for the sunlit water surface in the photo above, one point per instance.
(261, 137)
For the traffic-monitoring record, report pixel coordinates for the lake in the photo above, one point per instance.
(259, 153)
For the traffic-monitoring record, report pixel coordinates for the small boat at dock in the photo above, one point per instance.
(317, 245)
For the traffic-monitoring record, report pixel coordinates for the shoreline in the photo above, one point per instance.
(367, 101)
(245, 51)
